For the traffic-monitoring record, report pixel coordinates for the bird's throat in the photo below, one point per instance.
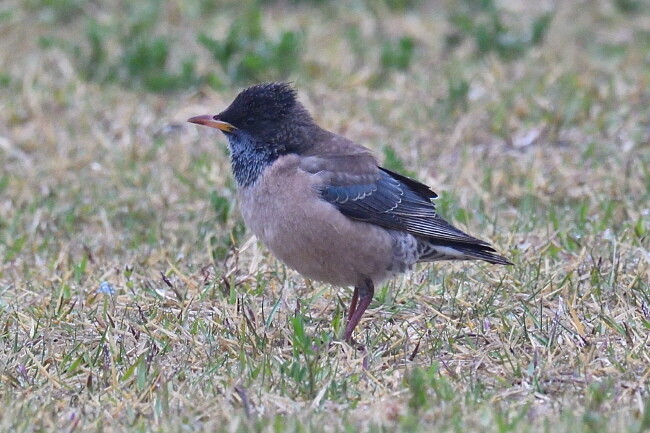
(249, 161)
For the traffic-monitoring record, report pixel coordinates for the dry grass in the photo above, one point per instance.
(102, 183)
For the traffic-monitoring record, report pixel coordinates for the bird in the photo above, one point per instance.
(323, 205)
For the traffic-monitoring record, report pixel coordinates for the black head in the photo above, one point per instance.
(263, 108)
(268, 112)
(264, 122)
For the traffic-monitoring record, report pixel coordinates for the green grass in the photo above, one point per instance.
(543, 149)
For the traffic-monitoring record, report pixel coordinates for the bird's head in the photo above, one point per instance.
(266, 117)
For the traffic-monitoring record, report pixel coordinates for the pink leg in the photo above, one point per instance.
(364, 294)
(353, 303)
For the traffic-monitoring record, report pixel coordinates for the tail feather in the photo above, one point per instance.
(430, 250)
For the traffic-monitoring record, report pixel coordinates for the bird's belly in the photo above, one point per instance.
(311, 235)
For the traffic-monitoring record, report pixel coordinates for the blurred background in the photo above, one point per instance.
(531, 120)
(523, 108)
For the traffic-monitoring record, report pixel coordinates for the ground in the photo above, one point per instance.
(133, 299)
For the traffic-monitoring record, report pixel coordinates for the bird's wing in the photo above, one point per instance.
(363, 191)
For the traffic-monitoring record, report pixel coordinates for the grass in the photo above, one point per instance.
(132, 299)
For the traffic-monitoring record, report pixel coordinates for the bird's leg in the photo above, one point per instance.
(364, 293)
(353, 303)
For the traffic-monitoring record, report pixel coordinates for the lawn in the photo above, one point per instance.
(132, 298)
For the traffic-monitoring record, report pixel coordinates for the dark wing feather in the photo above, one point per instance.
(396, 202)
(363, 191)
(379, 196)
(414, 185)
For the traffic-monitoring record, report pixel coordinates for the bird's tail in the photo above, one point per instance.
(431, 250)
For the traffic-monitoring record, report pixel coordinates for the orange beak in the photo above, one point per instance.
(209, 120)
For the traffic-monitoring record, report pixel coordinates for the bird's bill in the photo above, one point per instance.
(209, 120)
